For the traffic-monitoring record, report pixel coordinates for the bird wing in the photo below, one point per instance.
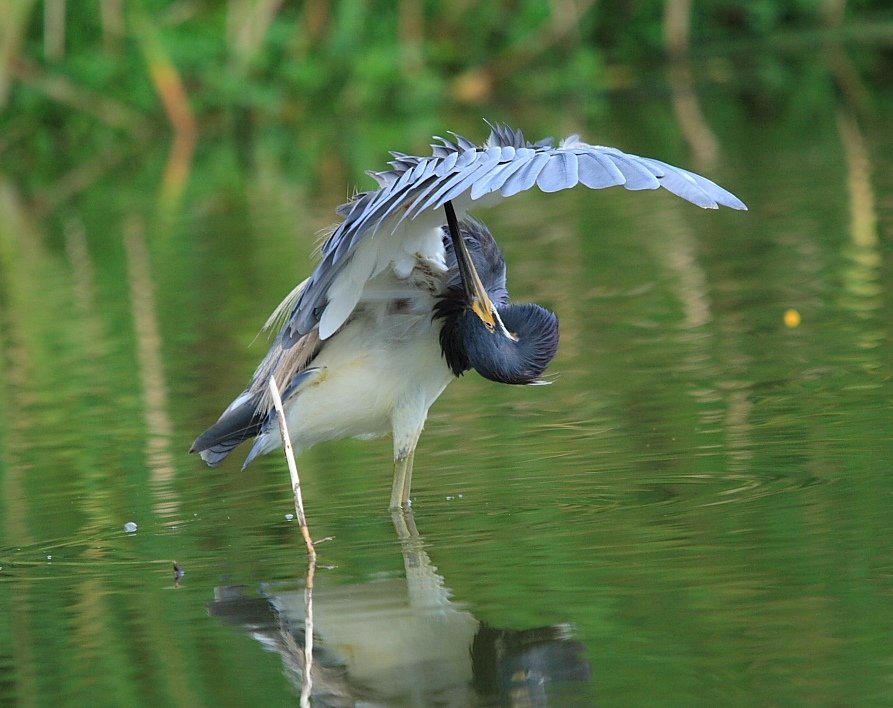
(376, 227)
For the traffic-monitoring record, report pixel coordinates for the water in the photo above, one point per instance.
(695, 512)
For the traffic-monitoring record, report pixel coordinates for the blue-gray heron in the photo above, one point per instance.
(404, 300)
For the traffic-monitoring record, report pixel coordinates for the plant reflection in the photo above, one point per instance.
(404, 641)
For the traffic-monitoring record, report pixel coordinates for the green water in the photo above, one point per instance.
(703, 494)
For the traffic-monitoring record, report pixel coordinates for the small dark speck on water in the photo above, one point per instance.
(178, 574)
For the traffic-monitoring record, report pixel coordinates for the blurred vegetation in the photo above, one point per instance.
(124, 329)
(84, 84)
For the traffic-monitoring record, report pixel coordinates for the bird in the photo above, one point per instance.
(410, 293)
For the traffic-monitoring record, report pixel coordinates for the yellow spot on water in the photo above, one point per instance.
(792, 318)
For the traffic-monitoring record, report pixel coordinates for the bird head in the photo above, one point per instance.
(517, 349)
(503, 342)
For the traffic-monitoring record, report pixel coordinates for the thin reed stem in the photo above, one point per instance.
(307, 683)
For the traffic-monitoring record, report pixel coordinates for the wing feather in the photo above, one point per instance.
(560, 172)
(717, 194)
(597, 171)
(380, 226)
(635, 172)
(461, 179)
(501, 173)
(447, 165)
(525, 178)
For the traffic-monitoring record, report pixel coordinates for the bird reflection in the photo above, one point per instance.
(403, 641)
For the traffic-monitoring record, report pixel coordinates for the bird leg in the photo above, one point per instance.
(407, 421)
(402, 478)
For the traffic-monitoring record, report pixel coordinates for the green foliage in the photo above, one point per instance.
(343, 65)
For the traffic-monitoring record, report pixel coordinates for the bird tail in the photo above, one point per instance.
(240, 422)
(246, 418)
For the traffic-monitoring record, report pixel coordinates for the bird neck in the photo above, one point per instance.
(450, 309)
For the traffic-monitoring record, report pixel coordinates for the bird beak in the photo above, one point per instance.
(475, 292)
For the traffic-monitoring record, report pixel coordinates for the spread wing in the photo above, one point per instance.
(381, 228)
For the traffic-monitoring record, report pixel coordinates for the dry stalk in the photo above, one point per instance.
(305, 532)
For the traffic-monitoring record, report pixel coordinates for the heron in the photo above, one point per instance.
(410, 293)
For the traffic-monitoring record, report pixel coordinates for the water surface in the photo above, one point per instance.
(697, 508)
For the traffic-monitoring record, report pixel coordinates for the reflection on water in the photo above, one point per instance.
(403, 641)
